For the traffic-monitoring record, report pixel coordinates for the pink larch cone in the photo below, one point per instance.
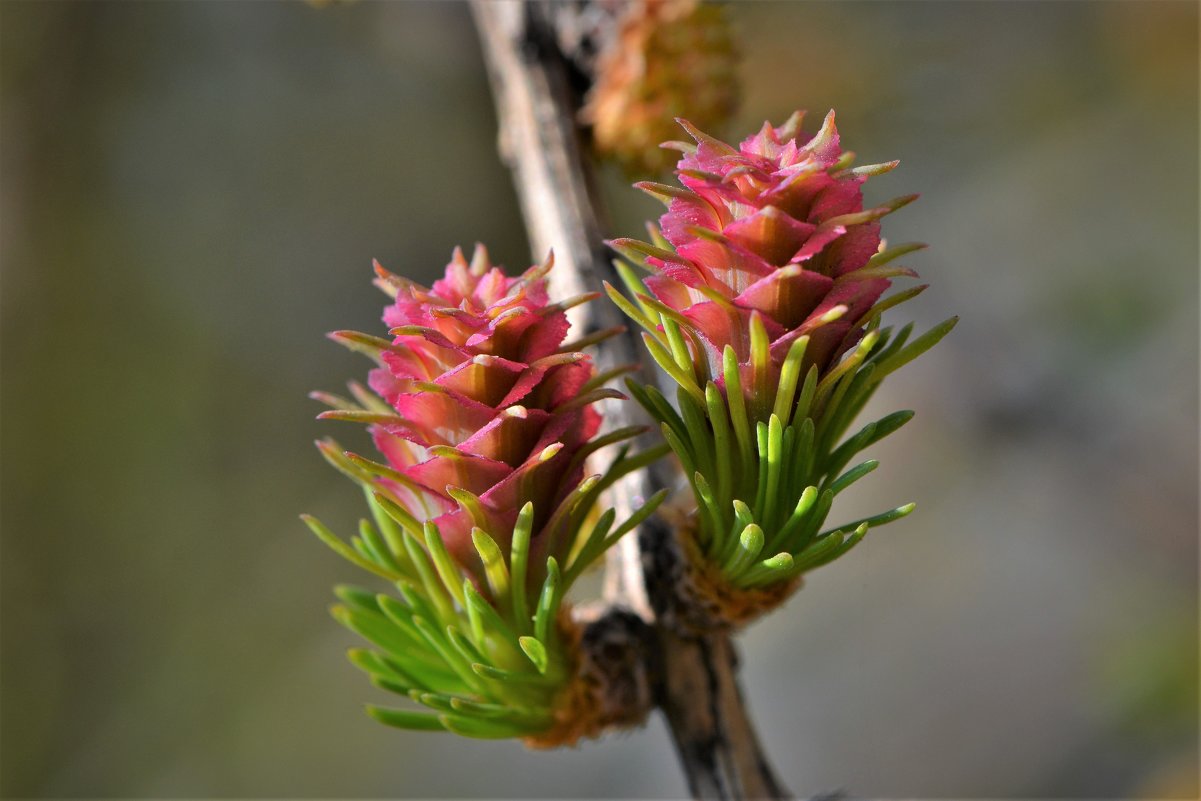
(488, 413)
(774, 228)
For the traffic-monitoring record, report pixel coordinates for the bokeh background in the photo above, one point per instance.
(192, 195)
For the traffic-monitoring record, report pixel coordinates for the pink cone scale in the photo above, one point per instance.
(763, 303)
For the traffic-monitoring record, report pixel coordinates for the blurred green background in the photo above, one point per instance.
(192, 195)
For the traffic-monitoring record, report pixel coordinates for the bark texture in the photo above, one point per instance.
(693, 676)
